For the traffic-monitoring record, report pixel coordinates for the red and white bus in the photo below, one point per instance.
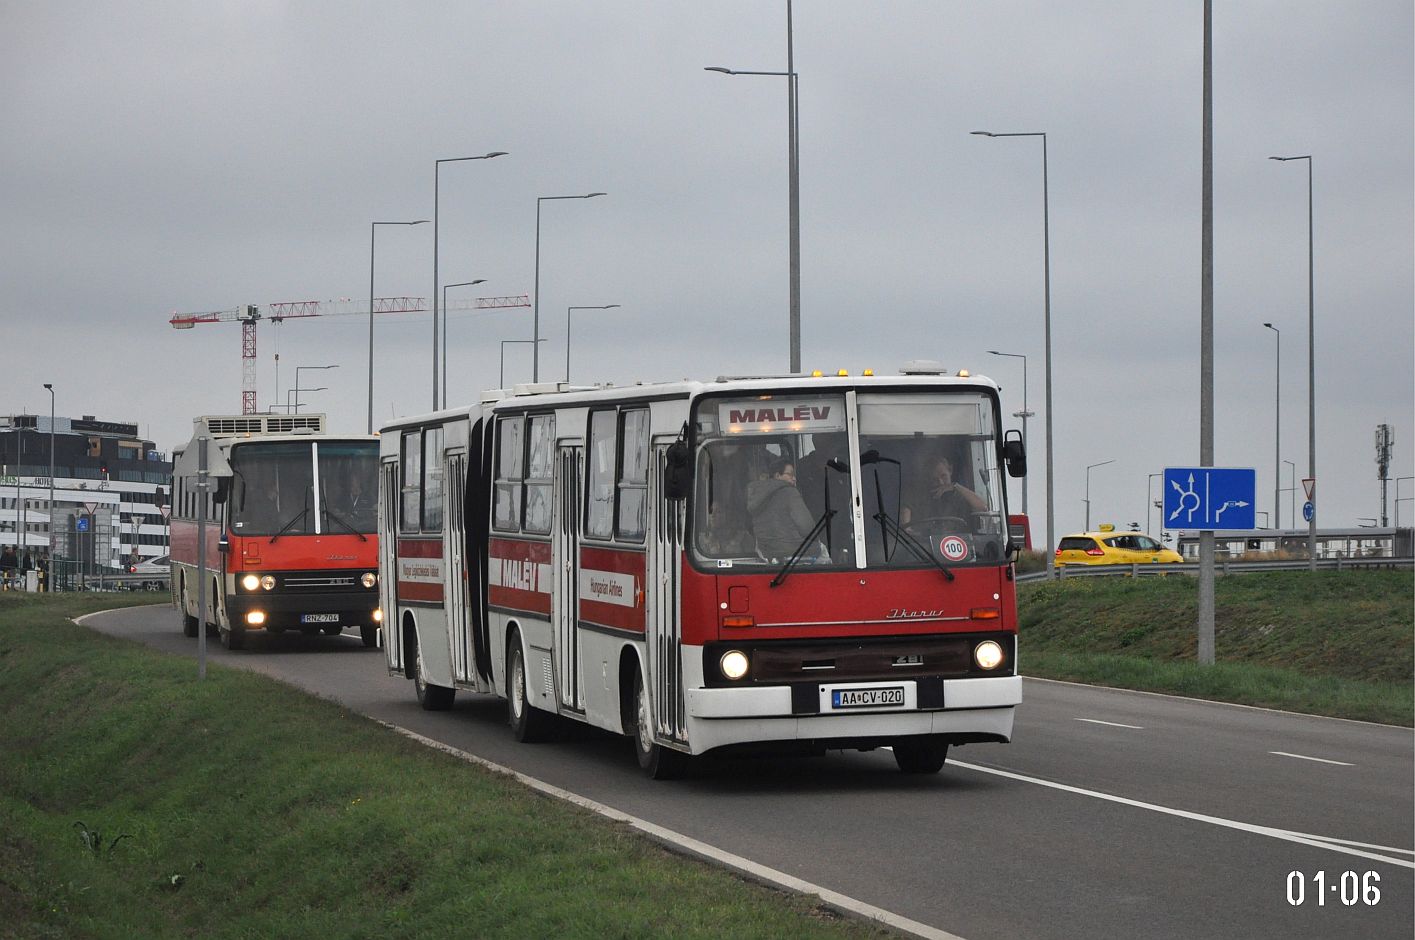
(593, 554)
(292, 534)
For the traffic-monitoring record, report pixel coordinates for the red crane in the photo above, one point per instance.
(248, 315)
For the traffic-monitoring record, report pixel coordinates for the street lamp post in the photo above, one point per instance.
(50, 575)
(1024, 414)
(1150, 501)
(567, 332)
(1311, 371)
(292, 397)
(1046, 280)
(535, 310)
(793, 182)
(1277, 423)
(437, 169)
(298, 370)
(501, 380)
(445, 318)
(373, 231)
(1088, 489)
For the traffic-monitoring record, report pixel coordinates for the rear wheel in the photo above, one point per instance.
(921, 755)
(528, 723)
(433, 698)
(369, 634)
(659, 762)
(332, 629)
(190, 624)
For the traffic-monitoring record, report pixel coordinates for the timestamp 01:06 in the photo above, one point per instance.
(1350, 887)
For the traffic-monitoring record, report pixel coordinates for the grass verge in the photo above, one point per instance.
(1337, 643)
(247, 809)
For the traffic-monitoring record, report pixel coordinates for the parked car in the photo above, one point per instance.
(1113, 548)
(159, 569)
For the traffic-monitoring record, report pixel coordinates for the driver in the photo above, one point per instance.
(941, 497)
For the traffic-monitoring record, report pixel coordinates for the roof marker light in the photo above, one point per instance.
(868, 372)
(841, 372)
(963, 373)
(816, 373)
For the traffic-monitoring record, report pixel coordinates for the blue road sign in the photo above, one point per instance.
(1210, 497)
(1307, 512)
(81, 523)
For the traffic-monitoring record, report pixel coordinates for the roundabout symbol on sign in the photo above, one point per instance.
(953, 548)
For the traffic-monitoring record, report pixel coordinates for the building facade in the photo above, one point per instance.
(110, 490)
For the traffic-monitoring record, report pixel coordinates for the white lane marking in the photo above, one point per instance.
(1285, 835)
(1362, 845)
(701, 849)
(1320, 760)
(1113, 724)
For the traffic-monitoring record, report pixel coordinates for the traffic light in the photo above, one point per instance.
(103, 468)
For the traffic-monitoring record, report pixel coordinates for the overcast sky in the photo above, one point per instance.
(173, 157)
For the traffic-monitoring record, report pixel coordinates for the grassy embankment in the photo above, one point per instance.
(238, 807)
(1330, 643)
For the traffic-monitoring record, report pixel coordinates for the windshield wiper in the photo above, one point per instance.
(889, 524)
(800, 551)
(331, 514)
(291, 524)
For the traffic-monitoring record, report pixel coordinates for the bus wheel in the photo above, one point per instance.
(433, 698)
(190, 624)
(369, 634)
(920, 755)
(528, 723)
(659, 762)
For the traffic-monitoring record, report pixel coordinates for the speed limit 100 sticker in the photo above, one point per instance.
(953, 548)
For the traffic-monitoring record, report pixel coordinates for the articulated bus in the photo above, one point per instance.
(642, 559)
(291, 536)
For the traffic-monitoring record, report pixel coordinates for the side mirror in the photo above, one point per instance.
(677, 472)
(223, 489)
(1014, 454)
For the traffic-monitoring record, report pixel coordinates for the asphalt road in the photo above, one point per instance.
(1112, 814)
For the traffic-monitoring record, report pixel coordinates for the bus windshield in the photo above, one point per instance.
(778, 477)
(273, 488)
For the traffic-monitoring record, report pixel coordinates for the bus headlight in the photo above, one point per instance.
(733, 664)
(378, 615)
(369, 579)
(988, 654)
(255, 618)
(268, 582)
(250, 582)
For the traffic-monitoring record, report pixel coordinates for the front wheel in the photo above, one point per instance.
(659, 762)
(921, 755)
(369, 634)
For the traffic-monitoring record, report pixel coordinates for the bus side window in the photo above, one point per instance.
(599, 504)
(539, 473)
(633, 474)
(432, 480)
(510, 456)
(409, 512)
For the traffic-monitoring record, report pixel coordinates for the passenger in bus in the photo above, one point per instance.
(939, 496)
(780, 519)
(726, 535)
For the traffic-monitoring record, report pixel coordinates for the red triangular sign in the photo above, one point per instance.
(1308, 485)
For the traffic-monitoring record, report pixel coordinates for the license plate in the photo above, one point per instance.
(885, 697)
(319, 618)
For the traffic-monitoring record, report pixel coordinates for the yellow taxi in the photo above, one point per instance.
(1108, 547)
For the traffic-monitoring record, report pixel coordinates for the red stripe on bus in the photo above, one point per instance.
(419, 591)
(516, 599)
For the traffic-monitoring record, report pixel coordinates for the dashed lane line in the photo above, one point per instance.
(1113, 724)
(1319, 760)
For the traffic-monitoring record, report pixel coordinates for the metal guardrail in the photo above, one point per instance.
(1221, 567)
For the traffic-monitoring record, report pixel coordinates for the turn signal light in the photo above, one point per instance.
(984, 613)
(738, 620)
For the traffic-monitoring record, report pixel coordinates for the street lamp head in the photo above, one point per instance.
(982, 133)
(494, 153)
(592, 195)
(718, 68)
(611, 306)
(49, 386)
(420, 222)
(1306, 156)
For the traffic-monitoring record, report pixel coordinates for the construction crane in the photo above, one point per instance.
(248, 315)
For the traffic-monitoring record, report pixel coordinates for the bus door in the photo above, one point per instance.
(663, 600)
(565, 578)
(388, 568)
(455, 572)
